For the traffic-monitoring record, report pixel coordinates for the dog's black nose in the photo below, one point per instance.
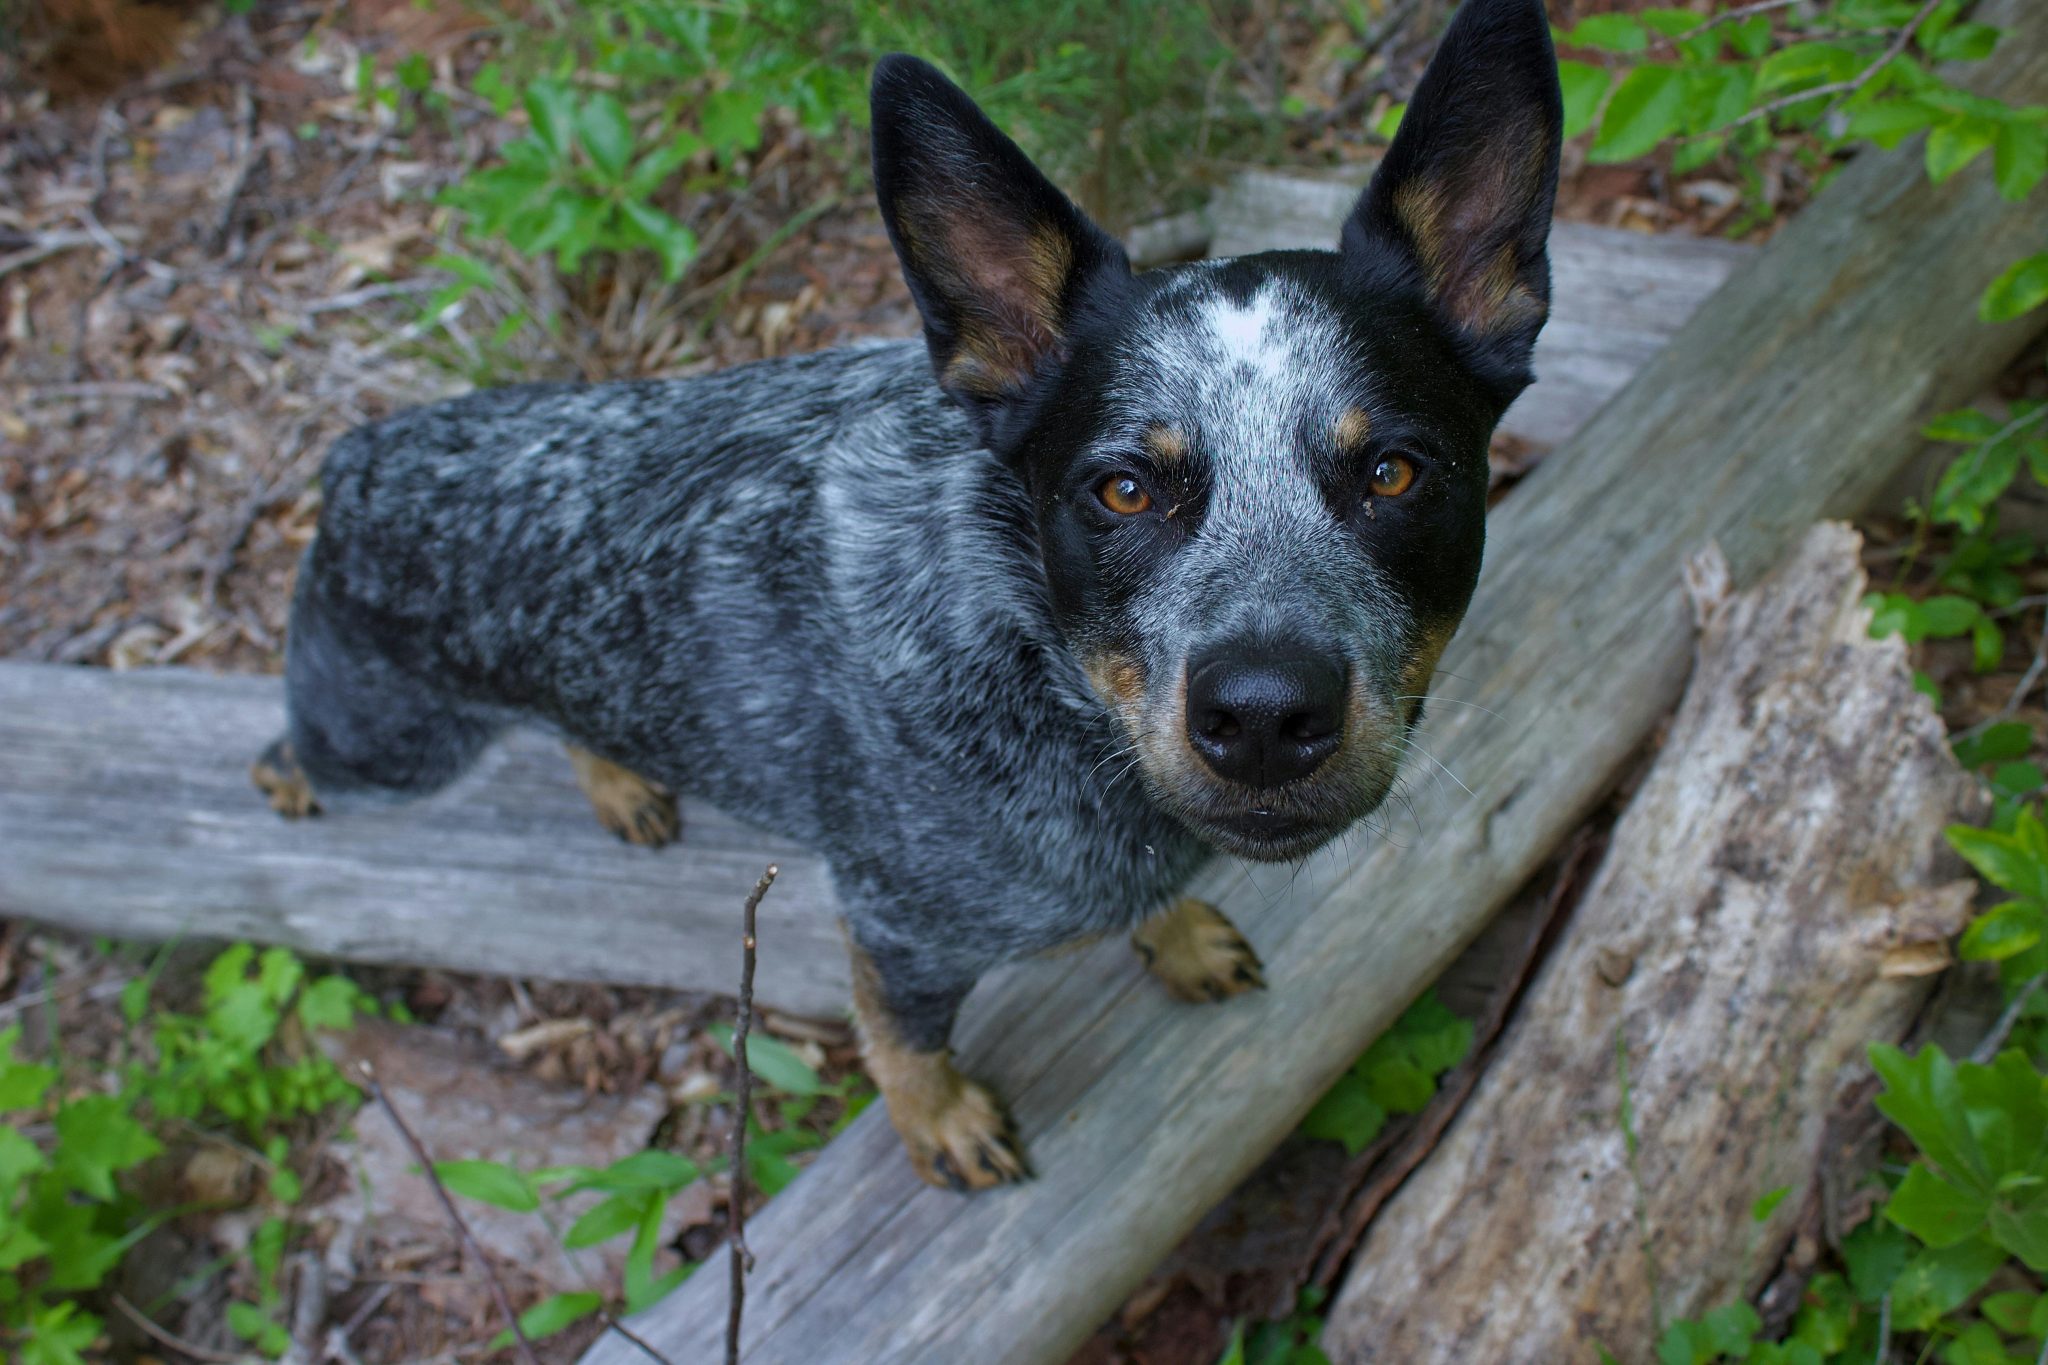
(1265, 721)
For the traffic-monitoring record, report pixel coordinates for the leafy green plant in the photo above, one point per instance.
(67, 1218)
(1397, 1075)
(1288, 1341)
(645, 118)
(638, 1188)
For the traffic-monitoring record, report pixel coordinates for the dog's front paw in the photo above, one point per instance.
(966, 1143)
(954, 1129)
(627, 804)
(1197, 953)
(277, 775)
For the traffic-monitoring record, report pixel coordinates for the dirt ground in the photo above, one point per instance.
(210, 266)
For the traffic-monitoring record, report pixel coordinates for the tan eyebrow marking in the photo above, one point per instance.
(1167, 444)
(1351, 429)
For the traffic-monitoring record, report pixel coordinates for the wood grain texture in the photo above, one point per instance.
(126, 809)
(1791, 395)
(1780, 867)
(1616, 297)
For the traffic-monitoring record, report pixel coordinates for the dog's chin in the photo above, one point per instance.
(1268, 837)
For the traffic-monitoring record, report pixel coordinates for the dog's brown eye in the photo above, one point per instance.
(1123, 495)
(1393, 476)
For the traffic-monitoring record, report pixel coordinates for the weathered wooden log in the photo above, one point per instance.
(1791, 394)
(125, 807)
(1770, 903)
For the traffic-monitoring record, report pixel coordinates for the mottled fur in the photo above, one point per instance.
(893, 619)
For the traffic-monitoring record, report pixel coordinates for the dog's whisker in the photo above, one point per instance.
(1451, 701)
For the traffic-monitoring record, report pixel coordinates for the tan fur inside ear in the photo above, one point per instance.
(1471, 273)
(1006, 294)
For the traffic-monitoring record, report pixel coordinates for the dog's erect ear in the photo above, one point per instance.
(999, 261)
(1460, 208)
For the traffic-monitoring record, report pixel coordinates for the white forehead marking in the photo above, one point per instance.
(1244, 332)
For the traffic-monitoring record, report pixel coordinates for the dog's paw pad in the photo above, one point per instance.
(277, 775)
(963, 1143)
(1197, 954)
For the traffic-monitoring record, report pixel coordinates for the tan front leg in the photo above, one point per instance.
(1198, 954)
(627, 804)
(954, 1129)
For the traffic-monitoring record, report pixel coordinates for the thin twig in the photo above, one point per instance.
(742, 1258)
(613, 1324)
(1841, 90)
(2002, 1030)
(419, 1154)
(164, 1338)
(42, 247)
(1884, 1331)
(1731, 16)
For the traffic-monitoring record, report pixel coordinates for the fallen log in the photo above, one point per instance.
(1772, 900)
(1791, 394)
(125, 808)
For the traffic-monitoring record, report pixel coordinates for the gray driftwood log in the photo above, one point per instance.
(1791, 395)
(125, 808)
(1771, 902)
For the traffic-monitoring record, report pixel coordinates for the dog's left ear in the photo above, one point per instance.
(1001, 264)
(1460, 208)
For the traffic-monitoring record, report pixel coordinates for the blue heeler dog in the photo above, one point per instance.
(1213, 523)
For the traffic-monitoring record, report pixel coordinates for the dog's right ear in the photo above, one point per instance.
(1001, 264)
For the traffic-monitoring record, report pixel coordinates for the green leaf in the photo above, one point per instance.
(2019, 158)
(1799, 64)
(1584, 85)
(1685, 1342)
(1935, 1211)
(2008, 739)
(2019, 289)
(22, 1084)
(2010, 1310)
(602, 1222)
(730, 120)
(2003, 931)
(1647, 107)
(2001, 859)
(1752, 37)
(1609, 33)
(489, 1182)
(58, 1334)
(606, 133)
(1964, 43)
(1956, 143)
(1767, 1203)
(1964, 425)
(1945, 617)
(1924, 1096)
(97, 1139)
(1347, 1114)
(1827, 1311)
(1875, 1252)
(651, 1170)
(1987, 644)
(654, 169)
(2023, 1231)
(329, 1003)
(1937, 1281)
(1732, 1327)
(673, 242)
(550, 1316)
(774, 1062)
(551, 106)
(1888, 122)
